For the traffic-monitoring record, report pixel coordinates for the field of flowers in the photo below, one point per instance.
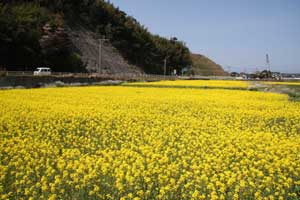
(221, 84)
(283, 83)
(148, 143)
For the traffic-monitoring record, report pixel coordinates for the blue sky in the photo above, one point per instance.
(234, 33)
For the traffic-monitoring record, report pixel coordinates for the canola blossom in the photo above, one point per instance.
(296, 83)
(148, 143)
(221, 84)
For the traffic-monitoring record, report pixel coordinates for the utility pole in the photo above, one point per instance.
(100, 54)
(165, 66)
(268, 65)
(268, 62)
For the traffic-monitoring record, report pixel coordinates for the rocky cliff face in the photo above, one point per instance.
(86, 44)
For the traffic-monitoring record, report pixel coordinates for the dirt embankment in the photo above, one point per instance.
(86, 44)
(205, 67)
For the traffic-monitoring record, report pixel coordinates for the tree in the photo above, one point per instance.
(21, 30)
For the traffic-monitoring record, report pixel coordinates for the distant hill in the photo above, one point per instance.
(201, 65)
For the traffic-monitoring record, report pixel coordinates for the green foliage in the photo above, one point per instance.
(132, 39)
(59, 58)
(19, 33)
(20, 39)
(74, 60)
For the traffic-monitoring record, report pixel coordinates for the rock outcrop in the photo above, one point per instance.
(87, 45)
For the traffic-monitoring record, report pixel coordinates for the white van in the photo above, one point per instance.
(42, 71)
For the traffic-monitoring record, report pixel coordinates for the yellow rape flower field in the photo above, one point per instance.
(283, 83)
(136, 143)
(221, 84)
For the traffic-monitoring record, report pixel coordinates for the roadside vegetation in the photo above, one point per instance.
(292, 89)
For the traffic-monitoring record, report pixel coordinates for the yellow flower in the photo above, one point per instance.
(178, 141)
(52, 197)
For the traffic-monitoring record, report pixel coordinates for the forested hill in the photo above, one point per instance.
(26, 43)
(43, 33)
